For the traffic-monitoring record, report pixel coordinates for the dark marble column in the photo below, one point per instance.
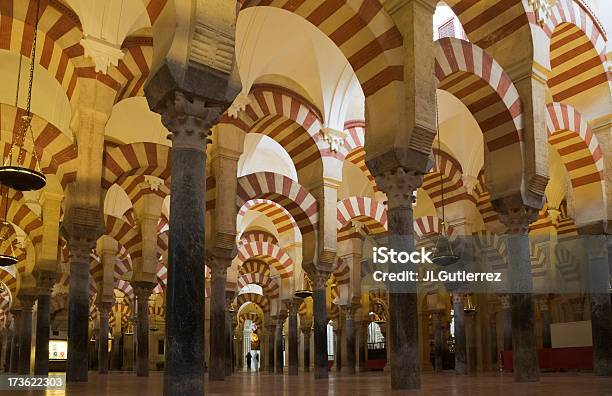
(306, 332)
(292, 336)
(403, 332)
(596, 245)
(338, 346)
(319, 297)
(43, 323)
(349, 315)
(216, 369)
(271, 329)
(545, 321)
(507, 321)
(78, 311)
(470, 341)
(6, 351)
(104, 309)
(25, 340)
(493, 338)
(229, 336)
(436, 323)
(278, 345)
(362, 346)
(460, 338)
(14, 356)
(524, 347)
(142, 290)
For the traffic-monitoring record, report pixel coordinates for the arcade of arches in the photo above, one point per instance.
(218, 173)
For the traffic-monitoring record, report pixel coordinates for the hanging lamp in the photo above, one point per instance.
(13, 172)
(469, 306)
(305, 291)
(7, 257)
(443, 254)
(154, 326)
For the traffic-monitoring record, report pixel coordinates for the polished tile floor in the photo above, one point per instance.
(371, 384)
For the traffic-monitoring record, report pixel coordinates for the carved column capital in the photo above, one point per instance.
(457, 298)
(104, 307)
(45, 280)
(349, 311)
(398, 184)
(293, 306)
(517, 219)
(143, 290)
(319, 279)
(505, 301)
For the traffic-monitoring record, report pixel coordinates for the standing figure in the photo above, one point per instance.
(248, 358)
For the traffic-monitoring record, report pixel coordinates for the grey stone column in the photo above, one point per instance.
(349, 315)
(460, 339)
(319, 301)
(362, 345)
(436, 324)
(229, 296)
(507, 321)
(25, 340)
(216, 369)
(78, 311)
(14, 356)
(43, 323)
(292, 337)
(338, 346)
(525, 353)
(5, 358)
(271, 328)
(142, 290)
(596, 245)
(493, 338)
(403, 340)
(545, 321)
(306, 333)
(470, 338)
(278, 345)
(104, 309)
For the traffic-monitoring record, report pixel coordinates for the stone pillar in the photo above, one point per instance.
(44, 282)
(229, 336)
(319, 301)
(403, 332)
(78, 311)
(470, 341)
(189, 120)
(525, 354)
(507, 321)
(278, 345)
(292, 336)
(545, 321)
(142, 290)
(216, 370)
(349, 315)
(437, 318)
(460, 339)
(5, 358)
(306, 333)
(493, 338)
(25, 339)
(14, 356)
(271, 328)
(104, 309)
(362, 344)
(596, 246)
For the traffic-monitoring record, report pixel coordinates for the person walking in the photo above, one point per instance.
(248, 359)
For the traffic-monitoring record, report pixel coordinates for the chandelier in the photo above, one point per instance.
(14, 172)
(305, 291)
(443, 254)
(7, 256)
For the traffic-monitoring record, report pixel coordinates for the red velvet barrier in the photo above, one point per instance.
(376, 364)
(576, 358)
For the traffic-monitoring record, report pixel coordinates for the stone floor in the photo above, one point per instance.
(371, 384)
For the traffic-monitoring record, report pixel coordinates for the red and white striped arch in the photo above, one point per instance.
(452, 181)
(567, 264)
(126, 236)
(577, 51)
(342, 272)
(287, 118)
(493, 248)
(283, 222)
(262, 301)
(353, 149)
(9, 279)
(21, 215)
(427, 228)
(539, 259)
(284, 191)
(483, 200)
(135, 159)
(254, 267)
(577, 145)
(253, 316)
(270, 286)
(361, 29)
(367, 211)
(271, 253)
(258, 236)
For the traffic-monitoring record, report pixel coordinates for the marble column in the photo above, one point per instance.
(104, 309)
(5, 361)
(524, 347)
(460, 338)
(14, 356)
(493, 338)
(25, 340)
(43, 322)
(403, 332)
(596, 245)
(189, 118)
(229, 336)
(306, 333)
(216, 369)
(271, 329)
(78, 311)
(436, 323)
(319, 301)
(338, 346)
(545, 321)
(142, 290)
(278, 345)
(362, 344)
(506, 321)
(292, 336)
(349, 315)
(470, 341)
